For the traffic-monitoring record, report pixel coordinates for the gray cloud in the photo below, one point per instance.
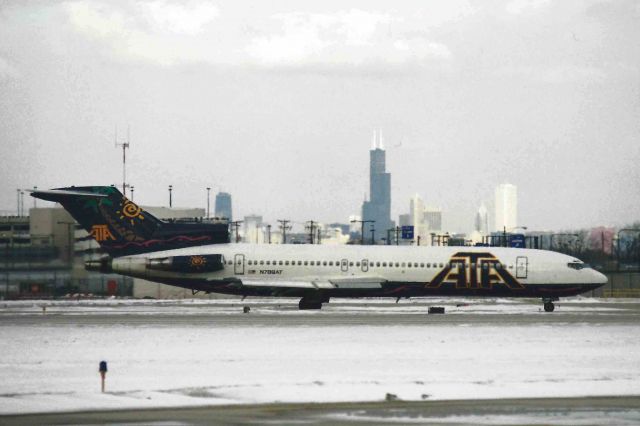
(546, 98)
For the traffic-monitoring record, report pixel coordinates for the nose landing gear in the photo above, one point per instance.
(548, 303)
(312, 303)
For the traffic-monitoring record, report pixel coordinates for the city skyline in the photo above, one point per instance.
(274, 103)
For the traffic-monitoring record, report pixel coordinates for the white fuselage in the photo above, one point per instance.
(335, 268)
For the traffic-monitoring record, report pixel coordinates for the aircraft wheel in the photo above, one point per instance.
(306, 304)
(549, 306)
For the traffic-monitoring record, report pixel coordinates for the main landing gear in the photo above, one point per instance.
(548, 304)
(312, 303)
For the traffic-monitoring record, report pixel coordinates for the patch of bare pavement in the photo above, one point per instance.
(535, 411)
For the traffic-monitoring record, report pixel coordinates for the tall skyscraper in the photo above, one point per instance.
(482, 220)
(223, 205)
(506, 207)
(378, 207)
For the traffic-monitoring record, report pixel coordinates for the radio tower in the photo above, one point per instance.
(125, 146)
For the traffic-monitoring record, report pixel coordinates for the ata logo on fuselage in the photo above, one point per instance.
(475, 271)
(101, 233)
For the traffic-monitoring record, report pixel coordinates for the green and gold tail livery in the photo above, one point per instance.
(121, 227)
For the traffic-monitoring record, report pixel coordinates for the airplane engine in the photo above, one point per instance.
(187, 264)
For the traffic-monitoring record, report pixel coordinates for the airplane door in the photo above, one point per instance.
(238, 264)
(522, 265)
(365, 265)
(344, 265)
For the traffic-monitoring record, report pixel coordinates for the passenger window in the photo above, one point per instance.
(312, 263)
(286, 262)
(306, 263)
(330, 263)
(268, 262)
(299, 262)
(428, 265)
(397, 264)
(262, 262)
(409, 264)
(350, 263)
(384, 264)
(280, 263)
(324, 263)
(422, 265)
(378, 264)
(358, 264)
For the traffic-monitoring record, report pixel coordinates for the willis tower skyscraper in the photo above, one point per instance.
(378, 208)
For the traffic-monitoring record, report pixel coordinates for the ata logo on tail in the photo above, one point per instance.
(101, 233)
(475, 271)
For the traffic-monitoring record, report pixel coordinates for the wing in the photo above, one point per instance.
(313, 283)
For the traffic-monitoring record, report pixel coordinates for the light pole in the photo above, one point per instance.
(283, 228)
(362, 222)
(208, 194)
(132, 188)
(170, 196)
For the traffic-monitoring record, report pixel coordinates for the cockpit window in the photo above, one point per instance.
(577, 265)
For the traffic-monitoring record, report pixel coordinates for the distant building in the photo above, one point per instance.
(425, 220)
(481, 224)
(378, 208)
(253, 228)
(433, 218)
(42, 256)
(223, 206)
(405, 220)
(506, 207)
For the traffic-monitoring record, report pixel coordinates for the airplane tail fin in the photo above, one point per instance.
(122, 228)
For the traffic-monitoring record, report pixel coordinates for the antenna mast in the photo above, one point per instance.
(125, 146)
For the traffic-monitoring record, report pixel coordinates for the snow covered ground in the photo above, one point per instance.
(207, 352)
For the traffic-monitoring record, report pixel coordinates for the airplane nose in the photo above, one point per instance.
(599, 278)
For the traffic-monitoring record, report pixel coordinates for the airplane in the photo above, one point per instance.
(201, 258)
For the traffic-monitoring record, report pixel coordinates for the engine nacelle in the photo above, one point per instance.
(187, 264)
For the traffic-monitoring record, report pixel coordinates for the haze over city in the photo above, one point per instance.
(276, 104)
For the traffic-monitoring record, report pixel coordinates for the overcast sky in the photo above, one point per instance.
(275, 102)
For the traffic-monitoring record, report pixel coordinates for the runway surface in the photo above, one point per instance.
(480, 362)
(543, 411)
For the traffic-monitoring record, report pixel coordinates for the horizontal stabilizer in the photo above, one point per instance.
(55, 194)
